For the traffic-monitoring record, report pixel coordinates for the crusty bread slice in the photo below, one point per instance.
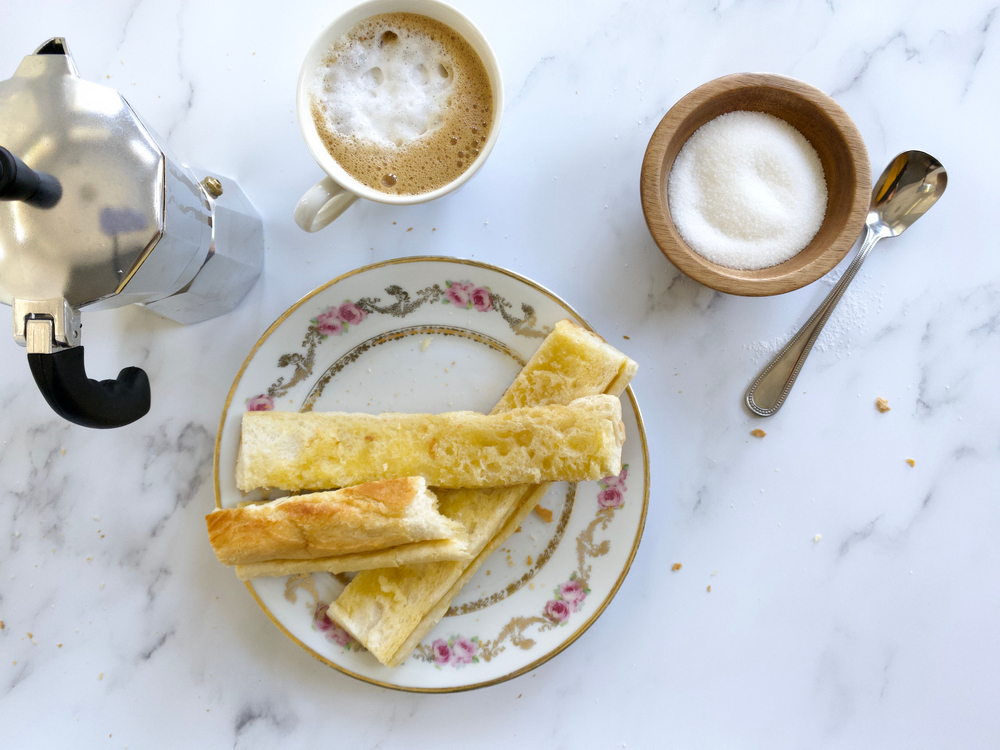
(430, 620)
(435, 550)
(368, 517)
(390, 611)
(579, 441)
(386, 605)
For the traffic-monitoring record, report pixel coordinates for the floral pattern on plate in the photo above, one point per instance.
(468, 295)
(456, 651)
(322, 622)
(568, 596)
(335, 320)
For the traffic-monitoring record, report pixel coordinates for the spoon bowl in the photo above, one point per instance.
(907, 189)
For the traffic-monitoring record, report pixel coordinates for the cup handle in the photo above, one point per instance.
(322, 203)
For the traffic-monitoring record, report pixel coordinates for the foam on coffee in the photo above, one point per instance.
(403, 103)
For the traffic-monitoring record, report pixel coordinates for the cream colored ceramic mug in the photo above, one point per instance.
(331, 196)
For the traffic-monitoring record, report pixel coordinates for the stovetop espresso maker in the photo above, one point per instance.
(96, 213)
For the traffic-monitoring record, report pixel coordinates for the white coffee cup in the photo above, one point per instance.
(331, 196)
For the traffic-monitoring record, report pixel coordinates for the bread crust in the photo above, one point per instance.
(368, 517)
(417, 553)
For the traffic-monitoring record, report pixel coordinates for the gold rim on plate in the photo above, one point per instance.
(642, 437)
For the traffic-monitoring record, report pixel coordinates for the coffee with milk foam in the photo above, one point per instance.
(403, 103)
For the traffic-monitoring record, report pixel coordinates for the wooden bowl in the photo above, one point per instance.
(823, 123)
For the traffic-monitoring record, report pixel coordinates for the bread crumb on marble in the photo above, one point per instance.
(911, 462)
(882, 405)
(758, 433)
(675, 567)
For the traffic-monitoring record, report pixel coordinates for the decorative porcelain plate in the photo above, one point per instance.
(434, 335)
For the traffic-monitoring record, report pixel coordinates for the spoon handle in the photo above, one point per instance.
(768, 392)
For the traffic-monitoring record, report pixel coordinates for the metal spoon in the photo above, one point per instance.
(908, 187)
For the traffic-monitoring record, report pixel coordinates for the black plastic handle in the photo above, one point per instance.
(63, 381)
(19, 182)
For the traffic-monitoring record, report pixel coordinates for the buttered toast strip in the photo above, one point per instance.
(433, 617)
(362, 519)
(578, 441)
(571, 363)
(389, 611)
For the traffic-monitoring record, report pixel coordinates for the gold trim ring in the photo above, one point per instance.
(642, 437)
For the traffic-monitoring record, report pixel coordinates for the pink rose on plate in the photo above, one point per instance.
(442, 653)
(323, 623)
(572, 593)
(338, 635)
(263, 402)
(320, 618)
(482, 300)
(556, 610)
(618, 481)
(329, 323)
(459, 294)
(609, 497)
(351, 314)
(462, 650)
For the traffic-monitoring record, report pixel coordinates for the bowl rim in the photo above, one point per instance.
(655, 206)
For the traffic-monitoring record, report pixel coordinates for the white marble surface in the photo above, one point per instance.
(882, 634)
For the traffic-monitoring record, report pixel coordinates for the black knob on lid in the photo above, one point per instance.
(18, 182)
